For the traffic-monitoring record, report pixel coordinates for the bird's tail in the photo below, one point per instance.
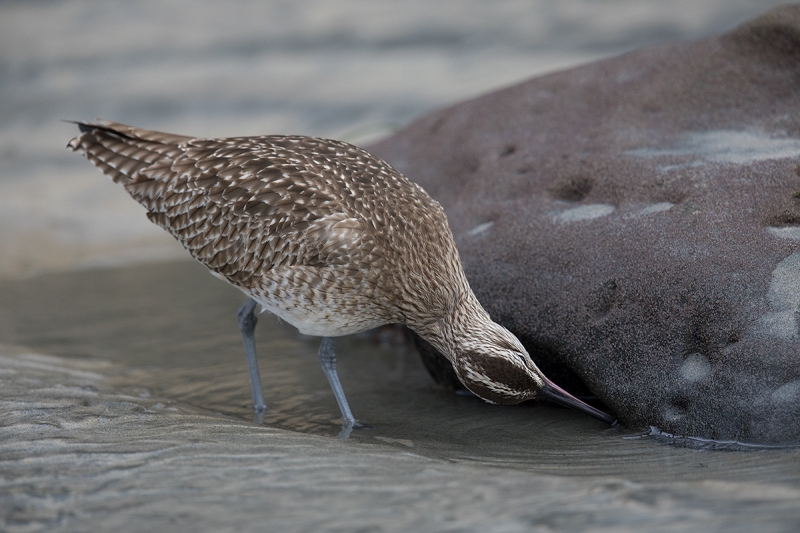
(140, 160)
(121, 151)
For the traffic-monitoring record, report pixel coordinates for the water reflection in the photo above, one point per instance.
(173, 328)
(701, 443)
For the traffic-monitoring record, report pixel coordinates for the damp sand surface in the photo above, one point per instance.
(125, 404)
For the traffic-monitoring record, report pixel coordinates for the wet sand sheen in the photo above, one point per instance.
(169, 330)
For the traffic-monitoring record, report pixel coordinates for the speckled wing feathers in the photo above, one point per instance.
(309, 227)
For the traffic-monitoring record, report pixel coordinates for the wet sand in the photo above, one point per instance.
(126, 406)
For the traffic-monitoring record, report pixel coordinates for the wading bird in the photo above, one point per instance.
(326, 236)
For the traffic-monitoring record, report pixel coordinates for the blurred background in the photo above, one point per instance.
(355, 70)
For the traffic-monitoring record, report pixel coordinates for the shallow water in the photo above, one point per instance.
(170, 331)
(124, 406)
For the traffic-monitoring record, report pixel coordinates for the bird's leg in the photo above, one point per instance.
(327, 358)
(247, 324)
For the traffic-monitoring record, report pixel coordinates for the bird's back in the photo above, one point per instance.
(318, 231)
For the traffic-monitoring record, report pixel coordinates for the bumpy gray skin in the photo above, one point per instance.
(636, 223)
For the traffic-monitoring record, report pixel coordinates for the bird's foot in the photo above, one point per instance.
(348, 427)
(258, 414)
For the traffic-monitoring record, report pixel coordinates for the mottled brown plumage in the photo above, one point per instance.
(321, 233)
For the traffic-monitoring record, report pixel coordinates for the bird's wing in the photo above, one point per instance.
(241, 206)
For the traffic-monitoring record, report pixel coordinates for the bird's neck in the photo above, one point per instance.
(457, 328)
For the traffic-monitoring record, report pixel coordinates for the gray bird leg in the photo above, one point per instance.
(247, 324)
(327, 358)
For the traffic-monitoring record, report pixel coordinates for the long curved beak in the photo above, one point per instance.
(556, 394)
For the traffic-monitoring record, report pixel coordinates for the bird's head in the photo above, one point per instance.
(493, 364)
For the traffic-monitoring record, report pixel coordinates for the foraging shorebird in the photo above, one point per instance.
(328, 237)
